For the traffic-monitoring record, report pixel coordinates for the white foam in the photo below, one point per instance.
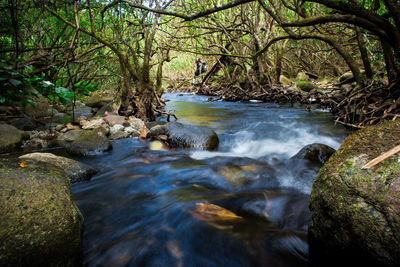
(288, 142)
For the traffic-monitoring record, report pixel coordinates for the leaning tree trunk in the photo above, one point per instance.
(364, 53)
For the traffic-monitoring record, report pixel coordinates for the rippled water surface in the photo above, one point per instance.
(244, 204)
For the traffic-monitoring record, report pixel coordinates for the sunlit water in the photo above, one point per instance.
(140, 210)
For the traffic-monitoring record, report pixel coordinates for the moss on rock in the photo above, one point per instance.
(305, 85)
(40, 224)
(356, 212)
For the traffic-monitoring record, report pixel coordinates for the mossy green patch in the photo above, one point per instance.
(360, 204)
(40, 223)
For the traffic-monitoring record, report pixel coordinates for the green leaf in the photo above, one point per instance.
(15, 82)
(46, 84)
(2, 99)
(27, 102)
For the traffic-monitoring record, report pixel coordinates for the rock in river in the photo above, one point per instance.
(84, 142)
(191, 136)
(315, 153)
(355, 213)
(75, 170)
(40, 224)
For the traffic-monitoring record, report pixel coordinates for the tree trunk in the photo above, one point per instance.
(278, 65)
(389, 61)
(145, 101)
(364, 53)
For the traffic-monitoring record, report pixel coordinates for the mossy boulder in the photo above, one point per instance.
(89, 143)
(81, 142)
(10, 138)
(76, 171)
(40, 224)
(305, 86)
(355, 213)
(191, 136)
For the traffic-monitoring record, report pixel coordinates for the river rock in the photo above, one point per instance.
(114, 119)
(315, 153)
(355, 213)
(10, 138)
(191, 136)
(104, 110)
(92, 124)
(157, 130)
(81, 109)
(75, 170)
(136, 123)
(89, 143)
(40, 224)
(116, 128)
(69, 137)
(81, 142)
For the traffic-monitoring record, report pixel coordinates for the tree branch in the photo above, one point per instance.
(188, 17)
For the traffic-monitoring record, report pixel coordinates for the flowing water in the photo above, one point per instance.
(148, 208)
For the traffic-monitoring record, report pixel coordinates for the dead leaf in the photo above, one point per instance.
(213, 213)
(22, 164)
(143, 134)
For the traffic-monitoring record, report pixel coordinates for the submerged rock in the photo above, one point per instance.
(10, 138)
(315, 153)
(40, 224)
(355, 213)
(76, 171)
(191, 136)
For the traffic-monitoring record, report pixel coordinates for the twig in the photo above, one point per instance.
(166, 113)
(381, 158)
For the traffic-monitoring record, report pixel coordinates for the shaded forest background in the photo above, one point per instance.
(65, 50)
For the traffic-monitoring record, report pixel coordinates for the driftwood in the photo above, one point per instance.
(166, 113)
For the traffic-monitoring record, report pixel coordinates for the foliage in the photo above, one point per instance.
(16, 86)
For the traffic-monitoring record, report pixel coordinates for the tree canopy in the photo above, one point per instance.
(127, 46)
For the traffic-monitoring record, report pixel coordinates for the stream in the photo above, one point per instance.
(144, 206)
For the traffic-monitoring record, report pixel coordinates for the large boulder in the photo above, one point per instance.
(40, 224)
(355, 212)
(80, 142)
(191, 136)
(10, 138)
(76, 171)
